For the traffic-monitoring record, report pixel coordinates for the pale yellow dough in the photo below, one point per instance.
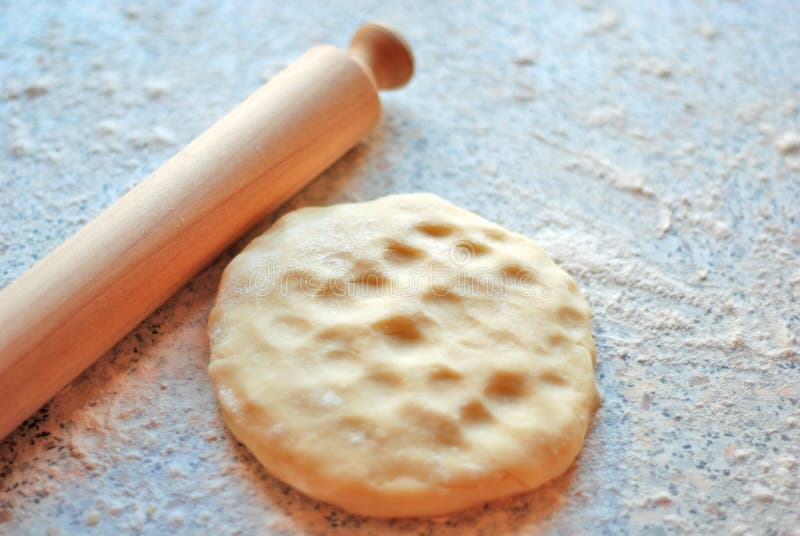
(402, 357)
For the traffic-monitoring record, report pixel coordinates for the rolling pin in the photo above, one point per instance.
(78, 301)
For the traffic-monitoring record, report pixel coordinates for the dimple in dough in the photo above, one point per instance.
(402, 357)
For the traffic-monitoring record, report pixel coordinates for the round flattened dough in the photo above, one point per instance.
(402, 357)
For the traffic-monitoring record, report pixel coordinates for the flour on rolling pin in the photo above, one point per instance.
(126, 262)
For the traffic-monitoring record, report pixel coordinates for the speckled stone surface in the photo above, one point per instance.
(651, 147)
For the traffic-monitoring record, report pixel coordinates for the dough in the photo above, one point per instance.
(402, 357)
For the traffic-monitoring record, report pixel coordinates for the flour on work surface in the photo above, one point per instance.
(696, 326)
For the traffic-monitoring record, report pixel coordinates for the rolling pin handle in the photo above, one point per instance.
(384, 55)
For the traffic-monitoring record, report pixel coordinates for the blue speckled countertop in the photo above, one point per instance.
(653, 148)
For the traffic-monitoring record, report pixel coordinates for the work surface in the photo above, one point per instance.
(651, 147)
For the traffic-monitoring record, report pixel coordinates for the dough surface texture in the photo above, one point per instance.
(402, 357)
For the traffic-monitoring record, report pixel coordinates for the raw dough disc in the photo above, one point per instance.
(402, 357)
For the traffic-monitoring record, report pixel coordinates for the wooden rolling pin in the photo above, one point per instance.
(77, 302)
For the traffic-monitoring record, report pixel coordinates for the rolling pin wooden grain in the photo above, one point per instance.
(77, 302)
